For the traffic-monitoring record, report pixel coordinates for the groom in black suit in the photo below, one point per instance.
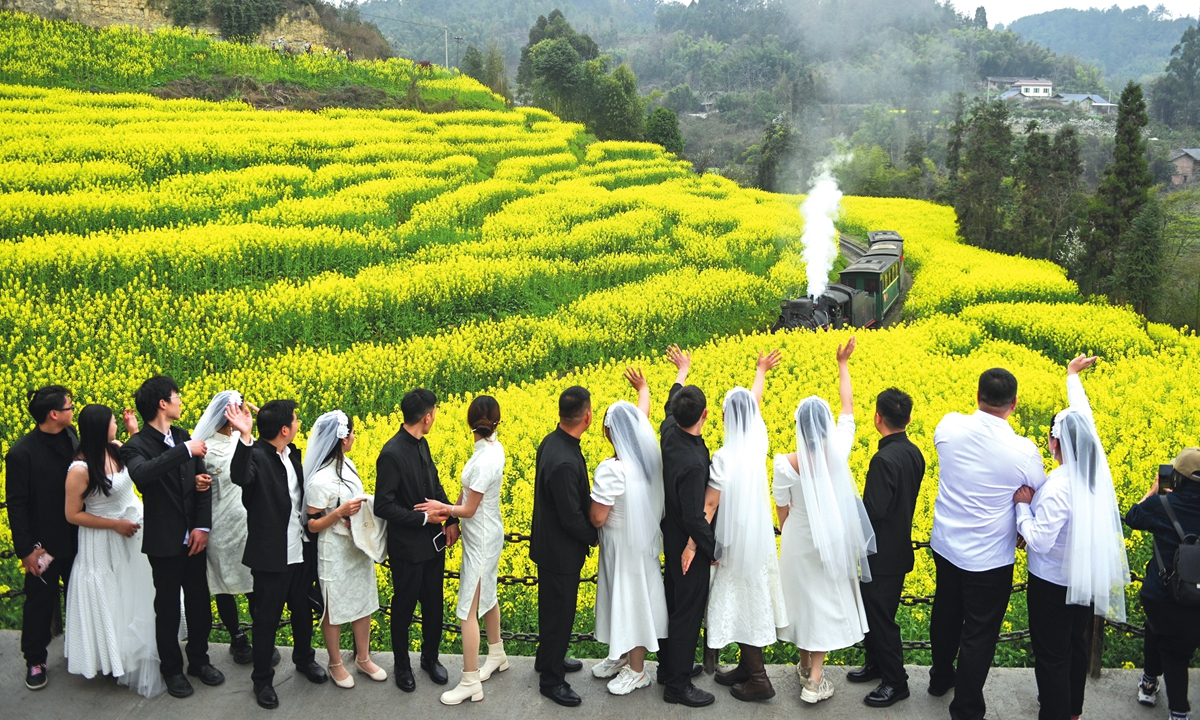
(405, 477)
(167, 467)
(279, 550)
(562, 534)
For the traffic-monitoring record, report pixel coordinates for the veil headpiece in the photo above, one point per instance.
(329, 429)
(638, 450)
(743, 522)
(214, 415)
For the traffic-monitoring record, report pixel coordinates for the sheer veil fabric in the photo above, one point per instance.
(743, 523)
(637, 447)
(329, 429)
(214, 415)
(841, 530)
(1096, 564)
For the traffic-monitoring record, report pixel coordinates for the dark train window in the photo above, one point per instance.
(871, 286)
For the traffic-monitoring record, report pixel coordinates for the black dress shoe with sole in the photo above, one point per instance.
(266, 697)
(404, 679)
(563, 695)
(178, 686)
(241, 650)
(696, 670)
(692, 696)
(437, 672)
(572, 665)
(314, 672)
(866, 673)
(939, 689)
(886, 695)
(208, 674)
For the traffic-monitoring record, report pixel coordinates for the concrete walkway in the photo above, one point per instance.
(1011, 694)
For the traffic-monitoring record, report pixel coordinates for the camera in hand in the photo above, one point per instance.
(1166, 478)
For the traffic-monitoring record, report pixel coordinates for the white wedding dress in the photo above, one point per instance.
(109, 627)
(347, 573)
(227, 539)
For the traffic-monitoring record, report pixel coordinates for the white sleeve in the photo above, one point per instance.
(1035, 468)
(716, 471)
(488, 475)
(609, 483)
(1041, 531)
(843, 436)
(316, 492)
(1077, 397)
(781, 487)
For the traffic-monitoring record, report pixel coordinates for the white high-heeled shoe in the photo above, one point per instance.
(496, 661)
(378, 676)
(347, 683)
(468, 687)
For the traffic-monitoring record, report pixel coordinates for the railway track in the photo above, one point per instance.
(850, 247)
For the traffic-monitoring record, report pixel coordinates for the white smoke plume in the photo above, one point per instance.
(820, 239)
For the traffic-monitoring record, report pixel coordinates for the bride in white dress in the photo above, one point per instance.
(109, 627)
(826, 535)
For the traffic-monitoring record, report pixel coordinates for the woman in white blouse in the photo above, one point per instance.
(627, 507)
(334, 493)
(1076, 552)
(482, 541)
(826, 535)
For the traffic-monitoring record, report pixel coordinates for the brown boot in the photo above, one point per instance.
(736, 675)
(758, 686)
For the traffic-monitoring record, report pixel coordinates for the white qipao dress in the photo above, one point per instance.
(347, 573)
(483, 533)
(109, 627)
(227, 538)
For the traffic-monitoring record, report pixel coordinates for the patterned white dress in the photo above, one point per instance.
(227, 538)
(109, 627)
(482, 534)
(347, 573)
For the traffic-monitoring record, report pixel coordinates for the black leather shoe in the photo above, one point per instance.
(314, 672)
(696, 670)
(404, 678)
(563, 695)
(266, 697)
(886, 695)
(240, 649)
(692, 696)
(178, 686)
(938, 689)
(572, 665)
(437, 673)
(208, 674)
(866, 673)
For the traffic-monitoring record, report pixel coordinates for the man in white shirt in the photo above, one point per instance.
(982, 462)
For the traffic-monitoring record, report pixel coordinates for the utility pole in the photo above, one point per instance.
(457, 50)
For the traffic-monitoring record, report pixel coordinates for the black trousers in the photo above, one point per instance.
(687, 598)
(558, 595)
(968, 610)
(412, 583)
(1178, 636)
(881, 599)
(1151, 661)
(1058, 633)
(227, 610)
(189, 573)
(271, 591)
(42, 601)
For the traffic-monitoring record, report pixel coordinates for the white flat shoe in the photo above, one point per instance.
(346, 683)
(378, 676)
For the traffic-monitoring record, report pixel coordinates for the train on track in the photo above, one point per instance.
(867, 289)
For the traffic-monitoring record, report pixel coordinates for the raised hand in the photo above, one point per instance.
(770, 361)
(636, 378)
(239, 418)
(682, 362)
(845, 351)
(129, 419)
(1080, 363)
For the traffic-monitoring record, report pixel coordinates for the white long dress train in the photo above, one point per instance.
(109, 627)
(483, 533)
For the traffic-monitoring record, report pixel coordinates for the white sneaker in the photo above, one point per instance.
(811, 692)
(1148, 692)
(607, 668)
(628, 680)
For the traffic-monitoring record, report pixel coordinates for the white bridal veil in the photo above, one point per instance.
(329, 429)
(743, 527)
(840, 527)
(214, 415)
(637, 448)
(1096, 564)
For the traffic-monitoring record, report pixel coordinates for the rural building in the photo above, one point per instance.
(1187, 165)
(1091, 102)
(1021, 87)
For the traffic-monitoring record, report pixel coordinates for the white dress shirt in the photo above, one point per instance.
(1044, 523)
(296, 538)
(982, 462)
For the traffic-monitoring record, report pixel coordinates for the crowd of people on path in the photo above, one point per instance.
(685, 538)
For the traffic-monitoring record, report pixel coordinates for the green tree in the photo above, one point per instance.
(981, 18)
(472, 64)
(556, 76)
(1177, 93)
(244, 19)
(982, 192)
(614, 109)
(495, 73)
(1124, 188)
(771, 155)
(662, 127)
(552, 27)
(1141, 259)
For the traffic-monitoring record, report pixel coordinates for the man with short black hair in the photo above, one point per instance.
(279, 552)
(35, 480)
(406, 476)
(982, 462)
(561, 536)
(689, 542)
(167, 467)
(890, 497)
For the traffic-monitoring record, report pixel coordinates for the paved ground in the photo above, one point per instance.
(1011, 694)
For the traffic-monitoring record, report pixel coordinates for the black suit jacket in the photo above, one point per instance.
(35, 485)
(686, 464)
(166, 477)
(405, 476)
(890, 496)
(562, 531)
(259, 471)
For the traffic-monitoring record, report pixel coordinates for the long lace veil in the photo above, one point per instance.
(638, 450)
(743, 522)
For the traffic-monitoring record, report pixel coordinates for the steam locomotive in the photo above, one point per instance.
(868, 288)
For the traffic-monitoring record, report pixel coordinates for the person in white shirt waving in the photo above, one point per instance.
(1077, 561)
(982, 462)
